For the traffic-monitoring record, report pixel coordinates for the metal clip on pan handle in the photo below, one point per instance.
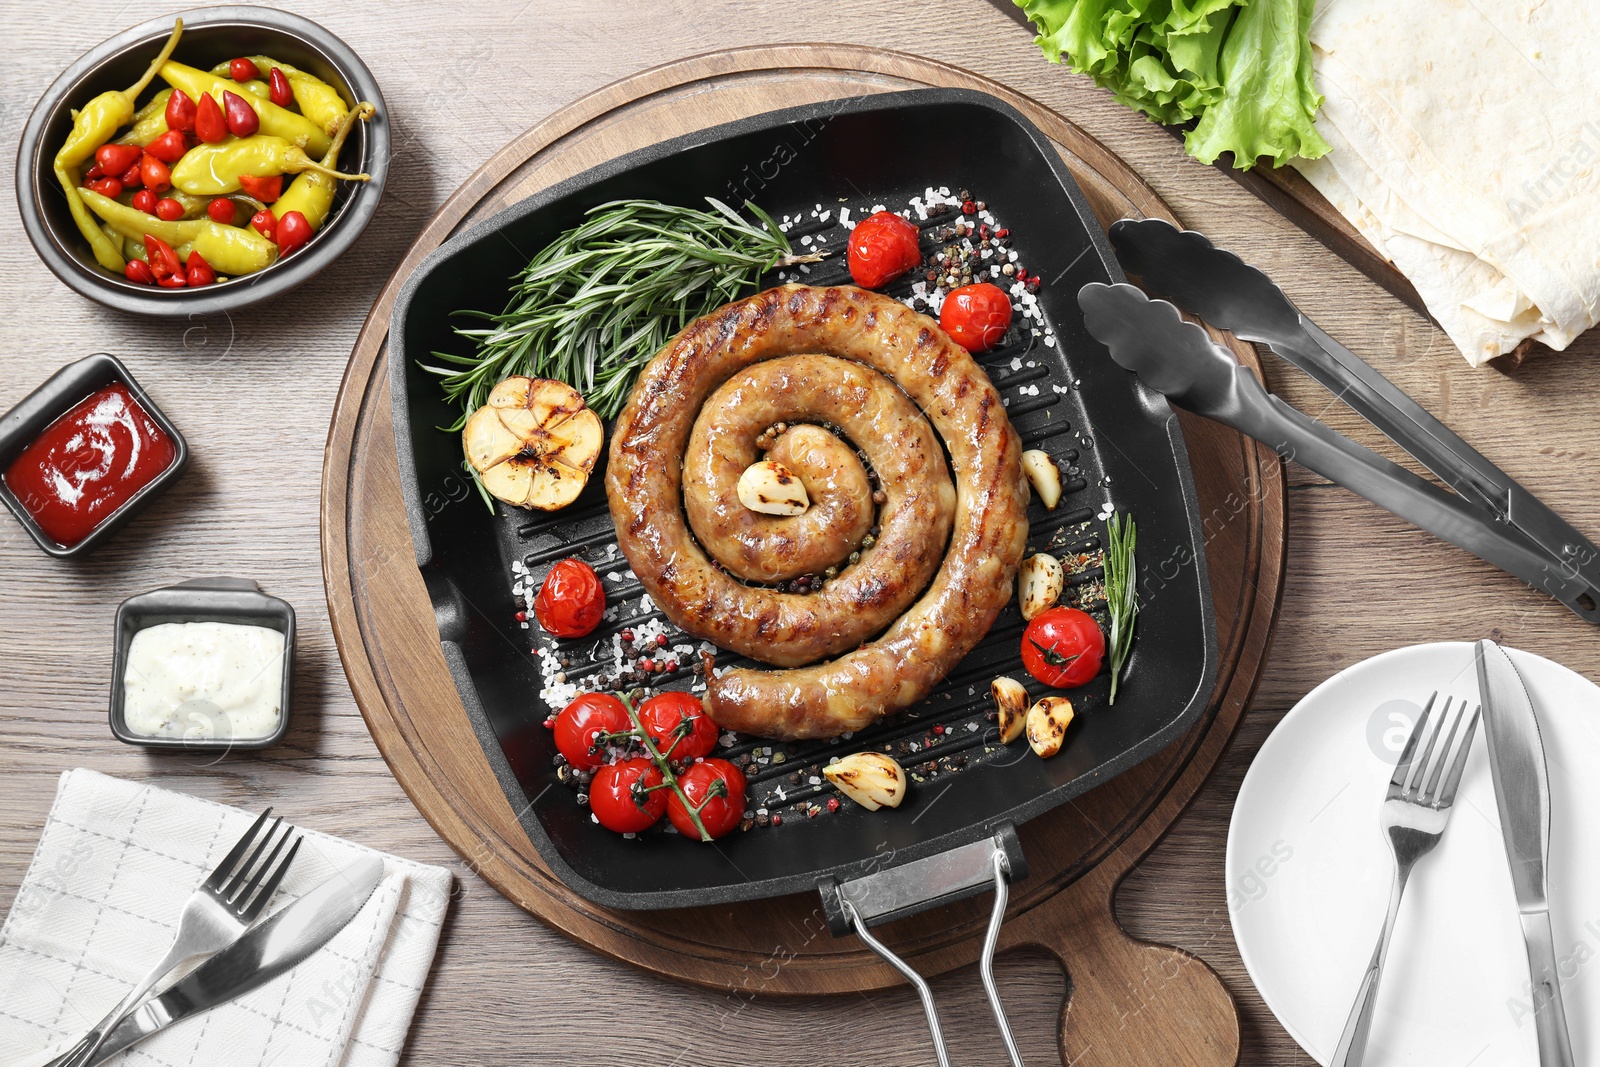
(914, 887)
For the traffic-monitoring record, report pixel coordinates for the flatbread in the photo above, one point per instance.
(1464, 150)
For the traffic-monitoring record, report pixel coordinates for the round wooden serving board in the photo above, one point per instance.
(1130, 1003)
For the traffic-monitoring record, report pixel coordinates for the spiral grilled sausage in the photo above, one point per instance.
(920, 646)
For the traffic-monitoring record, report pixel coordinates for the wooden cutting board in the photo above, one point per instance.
(1130, 1002)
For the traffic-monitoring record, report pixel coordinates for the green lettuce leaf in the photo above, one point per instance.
(1242, 68)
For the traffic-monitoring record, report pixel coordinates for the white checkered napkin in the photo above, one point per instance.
(100, 904)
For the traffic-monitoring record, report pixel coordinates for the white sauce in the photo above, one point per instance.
(204, 680)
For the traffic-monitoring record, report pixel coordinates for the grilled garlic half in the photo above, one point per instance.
(1011, 701)
(1039, 584)
(1044, 476)
(770, 488)
(534, 443)
(1048, 720)
(871, 779)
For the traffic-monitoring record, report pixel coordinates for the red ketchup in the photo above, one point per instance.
(88, 463)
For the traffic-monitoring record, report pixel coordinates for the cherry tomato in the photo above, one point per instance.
(243, 70)
(265, 190)
(180, 111)
(196, 271)
(678, 725)
(1063, 647)
(976, 316)
(717, 788)
(139, 271)
(209, 125)
(154, 173)
(278, 89)
(222, 210)
(169, 147)
(145, 200)
(109, 187)
(621, 796)
(168, 209)
(571, 600)
(294, 231)
(116, 158)
(882, 247)
(579, 722)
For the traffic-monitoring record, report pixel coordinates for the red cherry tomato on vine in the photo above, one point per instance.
(579, 722)
(882, 247)
(621, 796)
(716, 787)
(678, 725)
(571, 600)
(976, 316)
(1063, 647)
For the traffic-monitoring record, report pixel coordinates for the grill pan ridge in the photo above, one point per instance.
(1120, 441)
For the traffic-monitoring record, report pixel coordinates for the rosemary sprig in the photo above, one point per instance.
(603, 297)
(1121, 583)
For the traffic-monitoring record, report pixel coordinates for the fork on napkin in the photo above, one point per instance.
(101, 898)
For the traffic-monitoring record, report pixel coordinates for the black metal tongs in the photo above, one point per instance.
(1489, 514)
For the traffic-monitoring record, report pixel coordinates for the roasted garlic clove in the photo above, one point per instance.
(1048, 720)
(1039, 583)
(771, 488)
(1043, 475)
(871, 779)
(1011, 700)
(534, 443)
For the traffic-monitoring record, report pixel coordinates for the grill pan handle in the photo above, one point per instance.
(883, 896)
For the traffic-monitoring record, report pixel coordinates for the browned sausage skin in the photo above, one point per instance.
(921, 646)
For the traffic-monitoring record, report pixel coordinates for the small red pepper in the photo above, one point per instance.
(139, 271)
(116, 158)
(209, 125)
(278, 90)
(155, 174)
(168, 209)
(198, 272)
(293, 231)
(163, 260)
(180, 111)
(221, 210)
(169, 147)
(107, 187)
(96, 171)
(265, 190)
(265, 223)
(243, 70)
(145, 200)
(172, 281)
(242, 119)
(133, 177)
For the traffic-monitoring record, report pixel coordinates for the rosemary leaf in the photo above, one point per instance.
(1121, 583)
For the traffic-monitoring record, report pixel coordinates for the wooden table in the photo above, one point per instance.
(253, 393)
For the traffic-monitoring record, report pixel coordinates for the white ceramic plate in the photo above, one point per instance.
(1309, 871)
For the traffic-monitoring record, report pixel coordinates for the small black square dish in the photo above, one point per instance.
(81, 454)
(206, 662)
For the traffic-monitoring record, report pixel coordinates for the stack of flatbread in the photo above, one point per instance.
(1466, 147)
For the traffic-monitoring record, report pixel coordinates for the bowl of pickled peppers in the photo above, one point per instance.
(203, 162)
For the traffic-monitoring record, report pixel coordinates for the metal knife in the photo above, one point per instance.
(1227, 292)
(270, 948)
(1522, 792)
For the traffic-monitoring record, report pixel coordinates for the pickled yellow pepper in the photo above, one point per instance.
(233, 250)
(213, 169)
(150, 122)
(319, 101)
(110, 111)
(311, 193)
(275, 121)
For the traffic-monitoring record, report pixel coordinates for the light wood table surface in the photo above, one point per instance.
(253, 392)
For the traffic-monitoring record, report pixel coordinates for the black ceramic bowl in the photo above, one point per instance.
(57, 396)
(210, 35)
(233, 600)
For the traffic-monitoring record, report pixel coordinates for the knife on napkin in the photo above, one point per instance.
(1522, 793)
(268, 949)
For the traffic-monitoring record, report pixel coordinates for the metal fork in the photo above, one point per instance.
(213, 918)
(1414, 815)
